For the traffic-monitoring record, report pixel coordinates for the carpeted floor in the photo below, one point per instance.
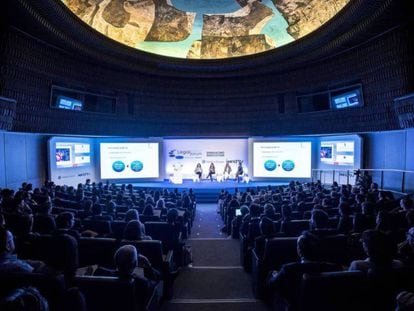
(207, 223)
(215, 281)
(215, 252)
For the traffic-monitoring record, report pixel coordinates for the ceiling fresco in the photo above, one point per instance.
(205, 29)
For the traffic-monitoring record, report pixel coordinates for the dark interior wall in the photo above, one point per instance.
(23, 158)
(239, 105)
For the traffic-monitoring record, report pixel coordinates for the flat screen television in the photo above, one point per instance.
(346, 99)
(64, 102)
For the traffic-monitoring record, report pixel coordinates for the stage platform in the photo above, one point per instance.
(207, 191)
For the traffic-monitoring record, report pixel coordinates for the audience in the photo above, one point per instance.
(135, 231)
(285, 284)
(24, 299)
(127, 261)
(380, 251)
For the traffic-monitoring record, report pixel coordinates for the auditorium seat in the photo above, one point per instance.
(169, 235)
(246, 245)
(52, 287)
(294, 228)
(117, 228)
(44, 224)
(98, 251)
(147, 218)
(102, 227)
(340, 291)
(108, 293)
(278, 251)
(152, 249)
(335, 249)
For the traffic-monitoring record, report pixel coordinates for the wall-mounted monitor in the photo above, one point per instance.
(64, 102)
(346, 99)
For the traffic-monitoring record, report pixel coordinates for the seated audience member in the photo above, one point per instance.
(252, 217)
(148, 210)
(97, 214)
(267, 231)
(319, 224)
(286, 283)
(269, 212)
(380, 251)
(64, 223)
(405, 301)
(87, 208)
(44, 222)
(24, 299)
(127, 260)
(366, 219)
(9, 261)
(172, 216)
(406, 249)
(131, 214)
(19, 204)
(345, 224)
(135, 231)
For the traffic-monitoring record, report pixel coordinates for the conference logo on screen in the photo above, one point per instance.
(288, 165)
(270, 165)
(118, 166)
(181, 154)
(137, 166)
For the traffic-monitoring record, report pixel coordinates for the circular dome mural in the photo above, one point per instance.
(205, 29)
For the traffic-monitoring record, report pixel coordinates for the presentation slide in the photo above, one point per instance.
(282, 159)
(338, 152)
(182, 156)
(72, 154)
(129, 160)
(71, 160)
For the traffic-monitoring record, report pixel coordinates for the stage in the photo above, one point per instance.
(207, 191)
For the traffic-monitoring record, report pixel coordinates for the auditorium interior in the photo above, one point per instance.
(181, 155)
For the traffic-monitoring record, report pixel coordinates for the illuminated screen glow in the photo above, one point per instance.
(205, 29)
(72, 154)
(129, 160)
(282, 159)
(337, 152)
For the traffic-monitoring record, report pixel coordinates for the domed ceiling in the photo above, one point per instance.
(205, 29)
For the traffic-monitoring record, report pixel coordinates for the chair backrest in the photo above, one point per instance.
(279, 251)
(335, 249)
(253, 232)
(15, 223)
(164, 232)
(57, 251)
(344, 290)
(147, 218)
(117, 228)
(44, 224)
(101, 227)
(294, 228)
(52, 287)
(107, 293)
(97, 251)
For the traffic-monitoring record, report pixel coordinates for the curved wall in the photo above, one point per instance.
(253, 96)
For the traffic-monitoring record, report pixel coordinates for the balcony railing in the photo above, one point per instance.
(401, 181)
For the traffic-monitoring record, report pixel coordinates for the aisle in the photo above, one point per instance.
(215, 280)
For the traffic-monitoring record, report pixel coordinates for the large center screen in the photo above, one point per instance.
(129, 160)
(282, 159)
